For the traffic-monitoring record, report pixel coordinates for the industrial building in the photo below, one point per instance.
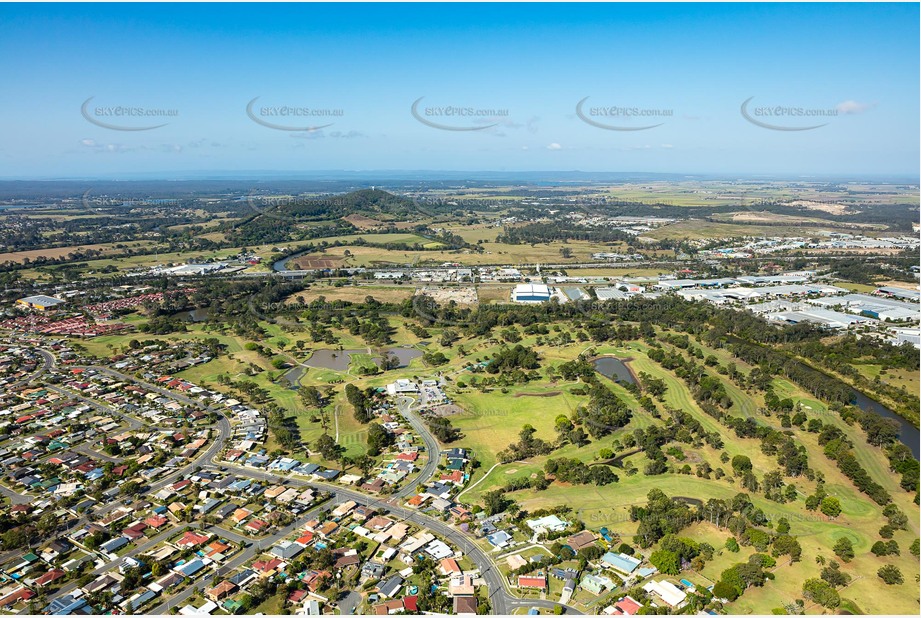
(575, 294)
(906, 335)
(876, 307)
(909, 295)
(610, 294)
(40, 302)
(822, 317)
(531, 293)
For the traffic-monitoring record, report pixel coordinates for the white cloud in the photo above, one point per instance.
(554, 146)
(667, 146)
(322, 134)
(116, 148)
(853, 107)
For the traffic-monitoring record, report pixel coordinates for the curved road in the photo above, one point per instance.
(432, 448)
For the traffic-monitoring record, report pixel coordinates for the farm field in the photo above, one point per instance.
(20, 257)
(356, 294)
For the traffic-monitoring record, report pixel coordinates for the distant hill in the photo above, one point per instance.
(369, 202)
(288, 218)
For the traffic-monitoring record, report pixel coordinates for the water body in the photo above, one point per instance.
(614, 369)
(293, 376)
(338, 360)
(195, 315)
(282, 265)
(909, 435)
(404, 355)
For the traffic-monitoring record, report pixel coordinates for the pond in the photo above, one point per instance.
(404, 355)
(614, 368)
(194, 315)
(293, 376)
(338, 360)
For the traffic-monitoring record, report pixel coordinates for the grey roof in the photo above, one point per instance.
(391, 586)
(65, 605)
(41, 299)
(147, 596)
(286, 551)
(114, 544)
(242, 576)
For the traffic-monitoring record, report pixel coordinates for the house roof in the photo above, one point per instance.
(628, 606)
(532, 581)
(581, 540)
(621, 562)
(190, 538)
(222, 588)
(465, 605)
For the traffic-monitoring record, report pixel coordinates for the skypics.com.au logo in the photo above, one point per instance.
(618, 117)
(457, 117)
(124, 117)
(283, 117)
(779, 117)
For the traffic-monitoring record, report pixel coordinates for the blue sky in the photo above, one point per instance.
(533, 63)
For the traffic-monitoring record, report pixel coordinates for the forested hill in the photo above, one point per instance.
(369, 202)
(277, 219)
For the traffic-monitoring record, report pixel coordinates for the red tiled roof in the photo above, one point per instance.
(296, 596)
(526, 581)
(267, 565)
(50, 576)
(190, 538)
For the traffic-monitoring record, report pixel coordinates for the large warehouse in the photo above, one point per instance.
(40, 302)
(531, 293)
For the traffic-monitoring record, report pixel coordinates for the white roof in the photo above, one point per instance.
(667, 591)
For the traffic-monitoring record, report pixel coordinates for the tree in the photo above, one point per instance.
(131, 488)
(890, 574)
(365, 464)
(784, 544)
(724, 590)
(844, 549)
(741, 464)
(831, 506)
(732, 545)
(833, 575)
(821, 592)
(666, 561)
(783, 525)
(327, 447)
(311, 396)
(880, 548)
(496, 501)
(378, 439)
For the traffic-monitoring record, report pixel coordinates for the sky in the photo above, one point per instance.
(663, 88)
